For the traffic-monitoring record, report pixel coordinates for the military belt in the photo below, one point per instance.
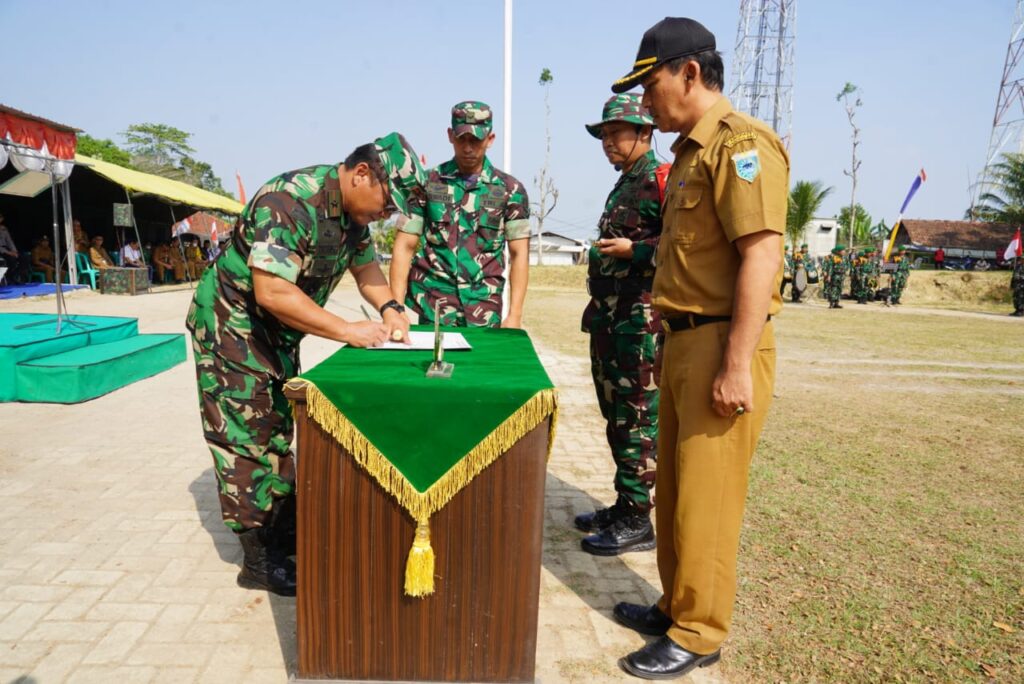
(691, 321)
(605, 287)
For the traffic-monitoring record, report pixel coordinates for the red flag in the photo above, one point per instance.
(213, 234)
(241, 188)
(1015, 248)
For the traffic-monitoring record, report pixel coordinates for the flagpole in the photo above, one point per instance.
(506, 160)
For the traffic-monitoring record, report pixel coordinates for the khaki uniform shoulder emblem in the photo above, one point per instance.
(740, 137)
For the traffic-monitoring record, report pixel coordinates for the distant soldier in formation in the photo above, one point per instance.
(1017, 285)
(834, 271)
(872, 271)
(859, 277)
(810, 263)
(796, 263)
(899, 276)
(787, 269)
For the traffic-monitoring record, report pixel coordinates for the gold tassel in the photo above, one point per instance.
(419, 568)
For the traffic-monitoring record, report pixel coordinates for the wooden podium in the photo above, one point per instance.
(354, 621)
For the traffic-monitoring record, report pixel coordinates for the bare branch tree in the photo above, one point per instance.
(851, 101)
(543, 181)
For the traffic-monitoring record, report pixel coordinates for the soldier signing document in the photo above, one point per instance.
(296, 238)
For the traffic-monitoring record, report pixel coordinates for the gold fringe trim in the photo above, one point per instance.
(421, 505)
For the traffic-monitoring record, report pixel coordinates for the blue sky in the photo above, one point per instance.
(269, 86)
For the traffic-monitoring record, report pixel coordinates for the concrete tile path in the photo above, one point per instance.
(115, 567)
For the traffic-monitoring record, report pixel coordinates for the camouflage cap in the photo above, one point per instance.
(402, 166)
(471, 117)
(625, 107)
(838, 248)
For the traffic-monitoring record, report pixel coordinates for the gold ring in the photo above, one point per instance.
(396, 335)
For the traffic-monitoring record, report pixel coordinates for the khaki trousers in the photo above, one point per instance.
(701, 488)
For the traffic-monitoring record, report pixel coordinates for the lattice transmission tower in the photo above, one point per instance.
(1008, 122)
(763, 63)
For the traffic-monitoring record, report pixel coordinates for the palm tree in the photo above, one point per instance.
(805, 200)
(1006, 205)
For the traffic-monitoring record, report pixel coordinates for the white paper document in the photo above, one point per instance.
(420, 340)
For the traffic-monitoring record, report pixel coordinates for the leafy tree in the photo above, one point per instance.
(881, 230)
(157, 145)
(383, 235)
(805, 200)
(104, 149)
(861, 226)
(165, 151)
(201, 175)
(544, 182)
(1006, 203)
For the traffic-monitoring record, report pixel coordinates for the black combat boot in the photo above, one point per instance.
(264, 566)
(599, 519)
(631, 532)
(281, 525)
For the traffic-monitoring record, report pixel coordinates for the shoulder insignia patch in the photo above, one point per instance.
(747, 164)
(740, 137)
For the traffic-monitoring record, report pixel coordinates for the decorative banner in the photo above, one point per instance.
(1015, 248)
(241, 188)
(921, 178)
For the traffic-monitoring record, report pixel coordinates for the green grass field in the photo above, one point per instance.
(884, 535)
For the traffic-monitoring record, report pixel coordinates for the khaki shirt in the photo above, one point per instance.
(730, 178)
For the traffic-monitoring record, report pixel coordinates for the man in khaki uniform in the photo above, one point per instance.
(719, 267)
(98, 255)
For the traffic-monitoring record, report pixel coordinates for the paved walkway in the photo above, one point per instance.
(114, 566)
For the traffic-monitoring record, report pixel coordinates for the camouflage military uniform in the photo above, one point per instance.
(464, 223)
(834, 271)
(1017, 285)
(622, 330)
(899, 277)
(293, 228)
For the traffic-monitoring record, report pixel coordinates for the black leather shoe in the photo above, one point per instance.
(599, 519)
(632, 532)
(665, 659)
(644, 619)
(263, 567)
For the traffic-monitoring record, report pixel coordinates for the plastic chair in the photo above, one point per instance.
(85, 269)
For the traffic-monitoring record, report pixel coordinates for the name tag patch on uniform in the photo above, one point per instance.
(747, 164)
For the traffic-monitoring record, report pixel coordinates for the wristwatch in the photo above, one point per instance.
(392, 304)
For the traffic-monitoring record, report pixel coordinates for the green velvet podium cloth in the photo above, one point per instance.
(424, 439)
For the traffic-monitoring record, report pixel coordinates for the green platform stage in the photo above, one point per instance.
(91, 356)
